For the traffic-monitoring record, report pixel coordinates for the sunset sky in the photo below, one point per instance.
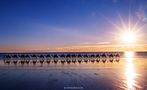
(71, 25)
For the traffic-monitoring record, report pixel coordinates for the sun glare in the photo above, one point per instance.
(129, 54)
(129, 37)
(128, 32)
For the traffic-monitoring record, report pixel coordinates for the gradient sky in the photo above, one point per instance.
(44, 24)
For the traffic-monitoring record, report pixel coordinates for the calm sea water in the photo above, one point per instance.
(130, 73)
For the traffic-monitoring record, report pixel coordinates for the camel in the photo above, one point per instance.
(97, 58)
(55, 58)
(92, 58)
(73, 58)
(86, 58)
(62, 58)
(79, 58)
(48, 57)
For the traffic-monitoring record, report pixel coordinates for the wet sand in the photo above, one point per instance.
(91, 76)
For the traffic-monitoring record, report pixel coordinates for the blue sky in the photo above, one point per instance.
(55, 23)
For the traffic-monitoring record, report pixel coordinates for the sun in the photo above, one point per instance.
(127, 32)
(129, 37)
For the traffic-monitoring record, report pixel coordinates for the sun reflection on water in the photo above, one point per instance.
(130, 73)
(129, 55)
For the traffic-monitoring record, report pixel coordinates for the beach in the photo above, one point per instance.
(122, 75)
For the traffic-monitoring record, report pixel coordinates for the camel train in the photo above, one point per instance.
(61, 58)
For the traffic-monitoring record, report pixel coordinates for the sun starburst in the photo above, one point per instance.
(127, 32)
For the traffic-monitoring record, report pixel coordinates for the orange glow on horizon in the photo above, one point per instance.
(79, 48)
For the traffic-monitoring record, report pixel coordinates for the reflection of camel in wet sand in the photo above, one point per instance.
(7, 62)
(15, 62)
(34, 62)
(22, 62)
